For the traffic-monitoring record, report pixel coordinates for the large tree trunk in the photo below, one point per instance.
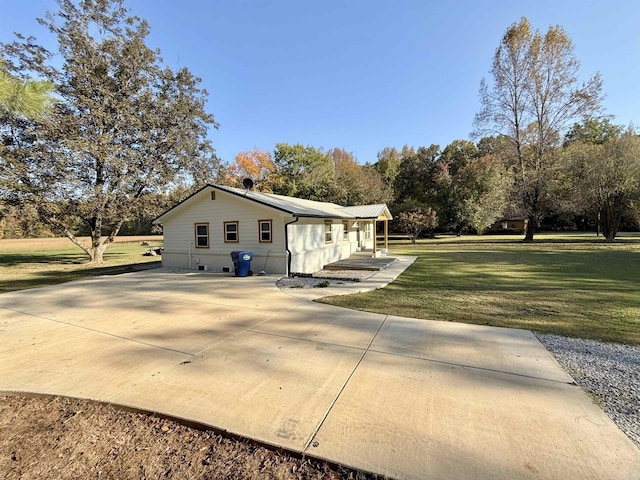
(531, 222)
(610, 218)
(99, 246)
(96, 253)
(533, 207)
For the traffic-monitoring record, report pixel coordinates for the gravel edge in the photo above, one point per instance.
(610, 372)
(311, 282)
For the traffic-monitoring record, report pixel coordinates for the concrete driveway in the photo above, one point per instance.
(397, 396)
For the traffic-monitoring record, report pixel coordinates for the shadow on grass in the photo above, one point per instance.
(52, 258)
(54, 277)
(63, 258)
(531, 269)
(541, 240)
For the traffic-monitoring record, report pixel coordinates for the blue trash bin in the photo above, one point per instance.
(242, 262)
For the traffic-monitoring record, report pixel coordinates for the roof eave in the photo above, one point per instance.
(313, 215)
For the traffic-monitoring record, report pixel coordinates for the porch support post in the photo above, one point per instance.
(386, 235)
(374, 237)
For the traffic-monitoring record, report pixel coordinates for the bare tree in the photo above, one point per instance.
(534, 98)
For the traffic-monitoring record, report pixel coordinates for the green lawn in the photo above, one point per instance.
(37, 262)
(568, 285)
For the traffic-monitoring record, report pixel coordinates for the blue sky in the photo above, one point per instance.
(362, 75)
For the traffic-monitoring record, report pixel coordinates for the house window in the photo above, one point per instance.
(202, 235)
(264, 231)
(345, 231)
(328, 231)
(231, 232)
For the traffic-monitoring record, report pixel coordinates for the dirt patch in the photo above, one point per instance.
(56, 437)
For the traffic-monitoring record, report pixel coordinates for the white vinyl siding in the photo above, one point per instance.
(308, 250)
(179, 235)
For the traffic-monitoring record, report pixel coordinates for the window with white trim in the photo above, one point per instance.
(328, 231)
(231, 232)
(201, 231)
(264, 231)
(345, 230)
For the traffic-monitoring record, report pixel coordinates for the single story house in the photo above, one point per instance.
(287, 235)
(516, 224)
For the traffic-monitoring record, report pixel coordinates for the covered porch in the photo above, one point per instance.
(368, 217)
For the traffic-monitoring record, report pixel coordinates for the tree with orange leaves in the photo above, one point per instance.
(256, 165)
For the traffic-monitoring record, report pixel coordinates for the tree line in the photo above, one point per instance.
(106, 137)
(593, 176)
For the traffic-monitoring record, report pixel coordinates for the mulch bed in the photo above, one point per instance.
(63, 438)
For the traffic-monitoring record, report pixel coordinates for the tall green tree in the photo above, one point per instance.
(388, 165)
(446, 197)
(414, 181)
(593, 131)
(458, 154)
(606, 178)
(492, 145)
(125, 124)
(305, 171)
(534, 97)
(23, 100)
(355, 184)
(484, 185)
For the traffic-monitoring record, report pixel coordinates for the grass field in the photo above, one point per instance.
(572, 285)
(34, 262)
